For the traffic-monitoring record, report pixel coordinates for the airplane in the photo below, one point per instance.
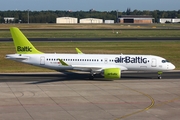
(110, 66)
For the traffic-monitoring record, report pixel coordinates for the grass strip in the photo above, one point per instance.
(94, 33)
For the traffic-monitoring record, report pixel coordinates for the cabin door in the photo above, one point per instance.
(42, 60)
(154, 62)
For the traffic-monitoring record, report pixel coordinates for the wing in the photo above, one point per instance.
(96, 67)
(79, 51)
(92, 67)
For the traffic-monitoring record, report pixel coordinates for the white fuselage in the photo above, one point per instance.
(96, 62)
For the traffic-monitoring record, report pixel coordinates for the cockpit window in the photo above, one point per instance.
(164, 61)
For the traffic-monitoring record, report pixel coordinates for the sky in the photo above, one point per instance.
(86, 5)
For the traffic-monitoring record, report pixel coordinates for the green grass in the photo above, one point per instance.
(94, 33)
(91, 26)
(169, 50)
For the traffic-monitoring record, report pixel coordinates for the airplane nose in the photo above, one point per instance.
(172, 67)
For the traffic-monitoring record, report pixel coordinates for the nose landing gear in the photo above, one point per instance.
(159, 74)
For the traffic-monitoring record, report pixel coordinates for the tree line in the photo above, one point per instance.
(50, 16)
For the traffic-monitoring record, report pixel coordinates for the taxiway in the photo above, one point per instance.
(73, 97)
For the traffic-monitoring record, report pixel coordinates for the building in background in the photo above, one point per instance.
(109, 21)
(91, 20)
(67, 20)
(136, 19)
(9, 19)
(169, 20)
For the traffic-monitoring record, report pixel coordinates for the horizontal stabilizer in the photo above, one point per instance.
(16, 57)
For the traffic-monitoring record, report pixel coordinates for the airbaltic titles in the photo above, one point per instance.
(128, 59)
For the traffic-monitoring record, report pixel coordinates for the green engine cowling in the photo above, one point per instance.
(111, 73)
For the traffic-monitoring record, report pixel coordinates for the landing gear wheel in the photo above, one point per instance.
(159, 75)
(91, 77)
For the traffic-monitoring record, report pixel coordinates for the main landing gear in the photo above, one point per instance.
(91, 77)
(159, 75)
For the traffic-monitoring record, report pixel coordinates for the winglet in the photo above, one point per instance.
(79, 51)
(63, 63)
(22, 44)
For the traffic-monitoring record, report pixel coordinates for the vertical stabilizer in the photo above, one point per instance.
(22, 44)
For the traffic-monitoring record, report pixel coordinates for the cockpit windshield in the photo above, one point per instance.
(165, 61)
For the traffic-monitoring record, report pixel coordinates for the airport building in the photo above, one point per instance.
(109, 21)
(136, 19)
(169, 20)
(67, 20)
(91, 20)
(9, 19)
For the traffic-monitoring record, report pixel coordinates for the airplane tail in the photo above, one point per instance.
(22, 44)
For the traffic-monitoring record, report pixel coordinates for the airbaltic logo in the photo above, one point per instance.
(24, 49)
(128, 59)
(112, 74)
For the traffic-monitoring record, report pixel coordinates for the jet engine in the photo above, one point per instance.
(111, 73)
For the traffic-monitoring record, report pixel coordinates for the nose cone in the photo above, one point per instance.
(171, 67)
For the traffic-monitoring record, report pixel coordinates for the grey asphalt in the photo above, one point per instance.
(56, 96)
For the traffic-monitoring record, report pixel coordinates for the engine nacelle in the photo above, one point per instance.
(111, 73)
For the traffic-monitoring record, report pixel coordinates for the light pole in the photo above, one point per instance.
(117, 15)
(28, 16)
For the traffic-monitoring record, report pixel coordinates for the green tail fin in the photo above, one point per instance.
(22, 44)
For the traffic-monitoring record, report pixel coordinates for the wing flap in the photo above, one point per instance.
(92, 67)
(98, 67)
